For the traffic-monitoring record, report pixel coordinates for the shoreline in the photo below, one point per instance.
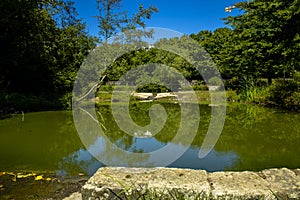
(167, 183)
(275, 183)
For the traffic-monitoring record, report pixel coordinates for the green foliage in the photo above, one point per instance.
(249, 91)
(232, 84)
(263, 44)
(201, 87)
(266, 38)
(154, 88)
(296, 76)
(23, 102)
(43, 45)
(113, 20)
(217, 44)
(293, 102)
(65, 102)
(107, 88)
(231, 96)
(146, 57)
(283, 93)
(282, 90)
(263, 41)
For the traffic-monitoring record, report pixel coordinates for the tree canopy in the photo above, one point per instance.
(263, 40)
(43, 44)
(112, 19)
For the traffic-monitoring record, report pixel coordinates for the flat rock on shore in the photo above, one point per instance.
(166, 183)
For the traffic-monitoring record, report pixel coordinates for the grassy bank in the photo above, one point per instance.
(282, 94)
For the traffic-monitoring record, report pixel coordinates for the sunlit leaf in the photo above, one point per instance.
(20, 175)
(39, 178)
(10, 173)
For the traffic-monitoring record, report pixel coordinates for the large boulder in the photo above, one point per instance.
(168, 183)
(143, 96)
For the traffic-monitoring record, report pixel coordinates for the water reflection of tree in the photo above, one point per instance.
(103, 143)
(139, 114)
(114, 134)
(80, 161)
(262, 138)
(38, 143)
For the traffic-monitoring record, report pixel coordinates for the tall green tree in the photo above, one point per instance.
(266, 38)
(112, 19)
(218, 43)
(43, 44)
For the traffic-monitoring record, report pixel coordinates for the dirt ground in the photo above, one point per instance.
(50, 188)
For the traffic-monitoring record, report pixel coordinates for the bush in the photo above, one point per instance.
(152, 87)
(293, 102)
(280, 90)
(107, 88)
(66, 101)
(21, 102)
(201, 87)
(261, 82)
(285, 94)
(232, 83)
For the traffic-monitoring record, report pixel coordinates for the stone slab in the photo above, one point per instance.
(284, 183)
(172, 183)
(74, 196)
(238, 185)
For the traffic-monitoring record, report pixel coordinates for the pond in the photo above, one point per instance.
(253, 138)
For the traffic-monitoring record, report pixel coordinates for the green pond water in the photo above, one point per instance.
(253, 138)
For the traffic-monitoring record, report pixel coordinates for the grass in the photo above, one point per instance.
(142, 192)
(175, 194)
(134, 191)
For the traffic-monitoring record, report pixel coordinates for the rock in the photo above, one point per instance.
(213, 88)
(284, 183)
(170, 183)
(238, 185)
(165, 95)
(186, 182)
(111, 183)
(74, 196)
(143, 96)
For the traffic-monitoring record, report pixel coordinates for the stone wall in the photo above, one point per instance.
(168, 183)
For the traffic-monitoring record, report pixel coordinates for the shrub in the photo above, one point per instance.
(293, 102)
(66, 101)
(281, 89)
(201, 87)
(232, 83)
(22, 102)
(261, 82)
(152, 87)
(107, 88)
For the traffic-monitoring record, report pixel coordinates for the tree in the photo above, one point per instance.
(112, 20)
(218, 45)
(43, 45)
(266, 38)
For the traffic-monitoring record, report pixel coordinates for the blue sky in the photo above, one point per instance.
(185, 16)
